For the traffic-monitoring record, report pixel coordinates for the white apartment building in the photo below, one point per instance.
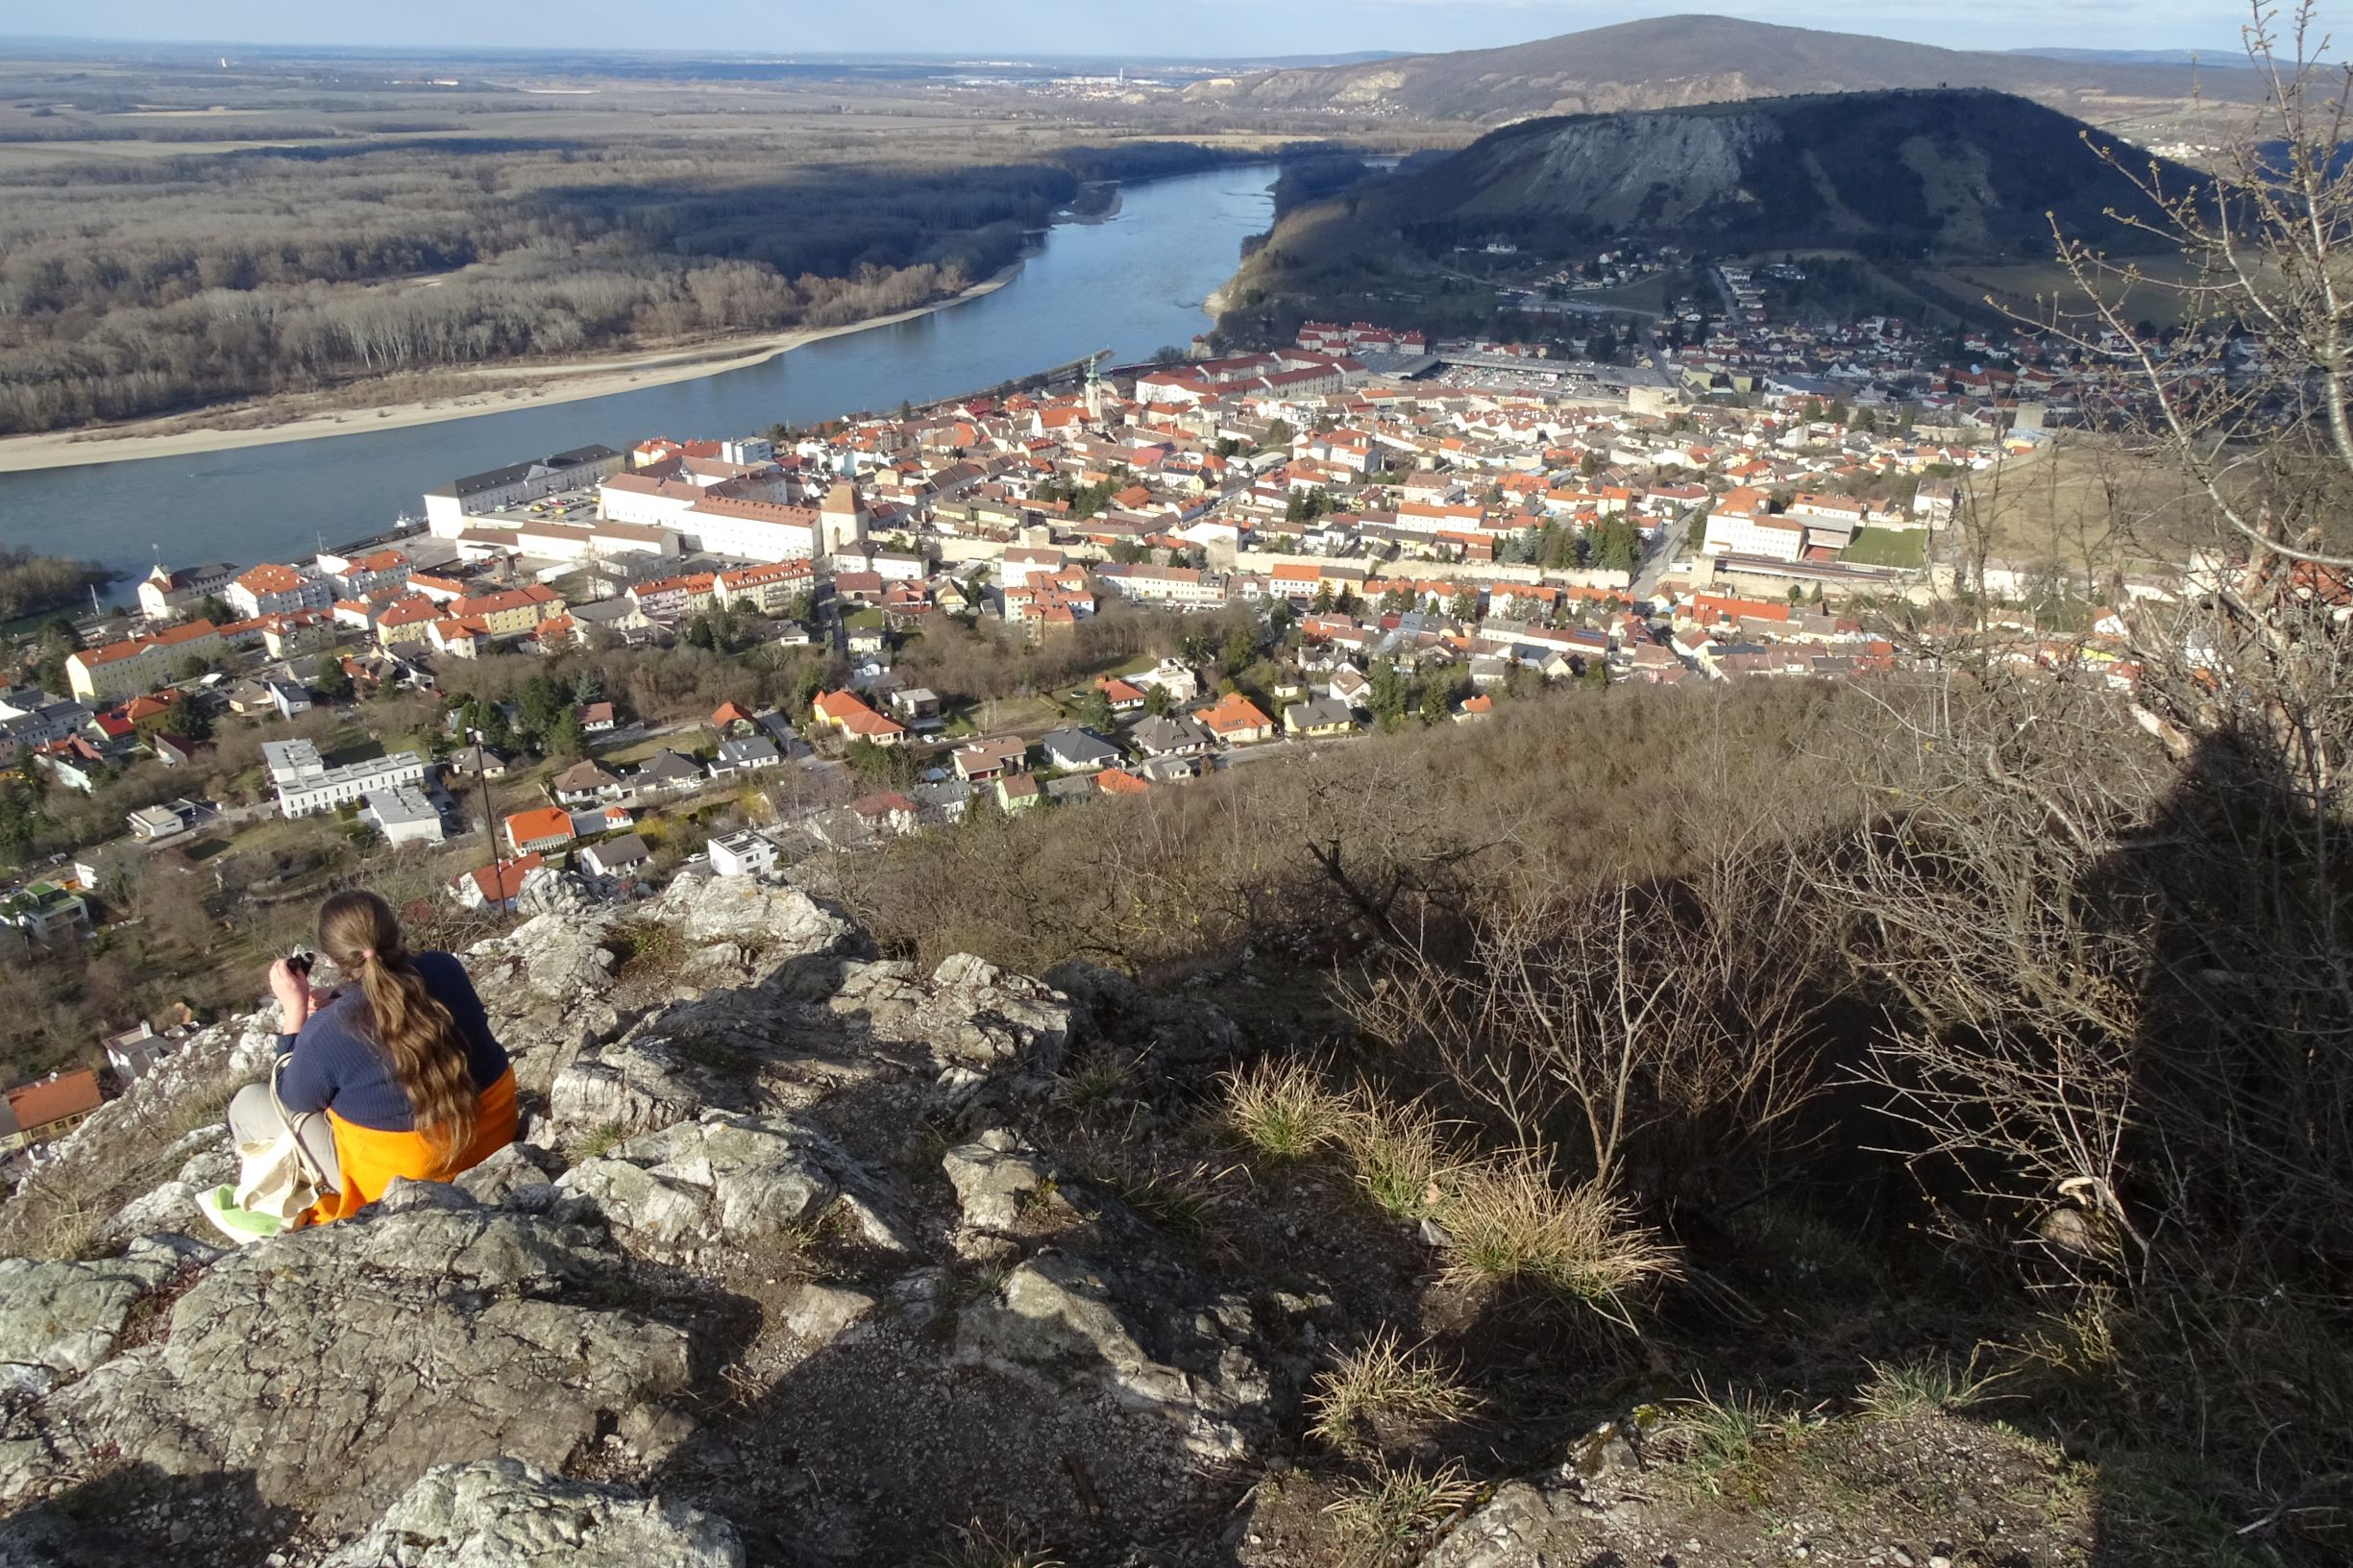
(404, 816)
(1180, 585)
(1742, 533)
(754, 530)
(273, 589)
(306, 786)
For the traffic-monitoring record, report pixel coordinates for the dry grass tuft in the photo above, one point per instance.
(1383, 1379)
(1400, 1157)
(1509, 1221)
(1283, 1109)
(1390, 1516)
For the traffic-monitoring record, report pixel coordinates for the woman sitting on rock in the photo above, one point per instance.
(400, 1057)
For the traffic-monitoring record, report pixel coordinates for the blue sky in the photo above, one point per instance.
(1111, 27)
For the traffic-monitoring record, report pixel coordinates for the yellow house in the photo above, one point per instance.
(512, 612)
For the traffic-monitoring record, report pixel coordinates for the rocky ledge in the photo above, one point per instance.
(709, 1258)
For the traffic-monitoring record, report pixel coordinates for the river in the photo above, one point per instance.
(1130, 283)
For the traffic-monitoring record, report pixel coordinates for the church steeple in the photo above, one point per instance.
(842, 519)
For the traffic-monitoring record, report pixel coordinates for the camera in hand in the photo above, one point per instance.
(298, 963)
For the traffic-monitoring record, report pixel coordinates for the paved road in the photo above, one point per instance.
(1668, 550)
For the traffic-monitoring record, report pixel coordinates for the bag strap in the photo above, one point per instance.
(292, 1121)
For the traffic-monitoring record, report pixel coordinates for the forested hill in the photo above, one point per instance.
(1947, 173)
(137, 286)
(1669, 61)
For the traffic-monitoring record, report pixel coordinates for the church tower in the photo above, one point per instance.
(841, 520)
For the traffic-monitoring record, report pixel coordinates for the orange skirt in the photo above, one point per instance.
(370, 1157)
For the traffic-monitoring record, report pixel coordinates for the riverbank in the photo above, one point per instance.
(504, 388)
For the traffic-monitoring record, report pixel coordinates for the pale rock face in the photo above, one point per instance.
(337, 1365)
(62, 1318)
(498, 1513)
(993, 1176)
(777, 921)
(722, 1177)
(968, 1012)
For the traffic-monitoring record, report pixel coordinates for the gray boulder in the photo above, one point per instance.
(1057, 1319)
(337, 1365)
(512, 1178)
(993, 1176)
(969, 1011)
(639, 1085)
(722, 1177)
(1519, 1526)
(500, 1514)
(778, 921)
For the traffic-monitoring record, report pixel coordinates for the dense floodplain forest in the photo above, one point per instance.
(175, 237)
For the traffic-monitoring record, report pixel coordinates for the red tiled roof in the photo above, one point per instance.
(55, 1097)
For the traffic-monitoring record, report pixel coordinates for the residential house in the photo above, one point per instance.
(45, 911)
(983, 761)
(1015, 792)
(915, 705)
(133, 1053)
(886, 812)
(595, 718)
(585, 782)
(1172, 735)
(590, 821)
(847, 713)
(1172, 677)
(743, 853)
(941, 801)
(623, 856)
(149, 823)
(1237, 721)
(539, 831)
(461, 767)
(1122, 696)
(50, 1107)
(496, 887)
(1078, 750)
(1324, 717)
(667, 771)
(1120, 781)
(744, 754)
(732, 718)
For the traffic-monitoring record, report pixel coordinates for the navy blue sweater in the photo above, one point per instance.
(335, 1067)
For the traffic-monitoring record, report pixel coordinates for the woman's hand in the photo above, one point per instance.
(295, 1002)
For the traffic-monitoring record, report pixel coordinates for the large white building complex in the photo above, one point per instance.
(306, 786)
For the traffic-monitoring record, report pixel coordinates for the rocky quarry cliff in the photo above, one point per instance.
(807, 1257)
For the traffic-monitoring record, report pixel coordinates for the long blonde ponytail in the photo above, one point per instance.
(420, 1041)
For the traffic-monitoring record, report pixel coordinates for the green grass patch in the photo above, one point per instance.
(1889, 547)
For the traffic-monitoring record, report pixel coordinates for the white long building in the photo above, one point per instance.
(448, 508)
(306, 786)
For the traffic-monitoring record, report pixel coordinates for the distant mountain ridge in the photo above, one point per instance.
(1942, 172)
(1676, 62)
(1898, 178)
